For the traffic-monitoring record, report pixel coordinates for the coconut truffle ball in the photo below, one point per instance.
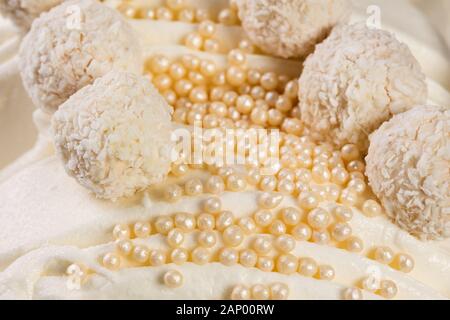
(355, 80)
(23, 12)
(290, 28)
(59, 56)
(408, 166)
(114, 136)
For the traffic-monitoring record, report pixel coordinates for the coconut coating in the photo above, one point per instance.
(23, 12)
(290, 28)
(355, 80)
(114, 136)
(67, 49)
(408, 166)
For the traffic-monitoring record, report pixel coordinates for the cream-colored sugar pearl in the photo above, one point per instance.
(264, 218)
(248, 225)
(268, 200)
(224, 220)
(207, 239)
(206, 221)
(77, 272)
(321, 237)
(162, 82)
(159, 64)
(180, 115)
(325, 272)
(307, 267)
(202, 14)
(290, 216)
(246, 46)
(173, 279)
(185, 221)
(388, 289)
(163, 13)
(341, 231)
(228, 256)
(268, 183)
(301, 232)
(212, 46)
(157, 258)
(285, 243)
(332, 192)
(179, 256)
(321, 173)
(229, 98)
(319, 218)
(258, 92)
(286, 173)
(303, 175)
(148, 13)
(371, 208)
(212, 205)
(193, 187)
(262, 245)
(350, 152)
(236, 182)
(356, 175)
(357, 185)
(180, 170)
(370, 283)
(339, 175)
(208, 68)
(404, 262)
(183, 87)
(200, 256)
(177, 71)
(175, 237)
(140, 254)
(265, 264)
(173, 193)
(253, 76)
(164, 224)
(348, 197)
(245, 104)
(142, 229)
(207, 29)
(383, 255)
(233, 236)
(124, 247)
(121, 231)
(283, 103)
(193, 41)
(240, 292)
(198, 95)
(215, 185)
(227, 17)
(248, 258)
(190, 62)
(307, 200)
(237, 57)
(354, 244)
(279, 291)
(260, 292)
(343, 213)
(236, 76)
(269, 81)
(275, 117)
(111, 261)
(277, 228)
(352, 294)
(186, 15)
(291, 89)
(254, 176)
(356, 165)
(286, 186)
(287, 264)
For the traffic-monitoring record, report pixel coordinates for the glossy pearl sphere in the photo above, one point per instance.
(224, 220)
(248, 258)
(207, 239)
(240, 292)
(185, 221)
(164, 224)
(388, 289)
(193, 187)
(354, 244)
(326, 272)
(206, 221)
(371, 208)
(291, 216)
(233, 236)
(142, 229)
(260, 292)
(383, 255)
(352, 294)
(307, 267)
(404, 262)
(215, 185)
(265, 264)
(228, 256)
(179, 256)
(287, 264)
(262, 245)
(200, 256)
(343, 213)
(121, 231)
(319, 218)
(124, 247)
(285, 243)
(302, 232)
(173, 279)
(140, 254)
(263, 218)
(111, 261)
(341, 231)
(175, 237)
(279, 291)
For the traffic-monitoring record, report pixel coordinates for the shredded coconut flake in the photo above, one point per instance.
(354, 81)
(415, 185)
(57, 58)
(114, 136)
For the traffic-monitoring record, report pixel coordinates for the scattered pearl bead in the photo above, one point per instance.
(236, 183)
(77, 272)
(164, 224)
(321, 237)
(228, 256)
(287, 264)
(348, 197)
(354, 244)
(248, 258)
(207, 29)
(353, 294)
(207, 239)
(285, 243)
(277, 228)
(185, 221)
(326, 272)
(159, 64)
(370, 283)
(269, 200)
(383, 255)
(286, 186)
(212, 205)
(193, 41)
(307, 200)
(200, 256)
(404, 262)
(307, 267)
(245, 104)
(211, 45)
(157, 258)
(173, 279)
(350, 152)
(206, 222)
(202, 14)
(175, 237)
(291, 89)
(186, 15)
(193, 187)
(124, 247)
(240, 292)
(262, 245)
(343, 213)
(265, 264)
(319, 218)
(388, 289)
(233, 236)
(357, 185)
(279, 291)
(215, 185)
(235, 76)
(302, 232)
(263, 218)
(140, 254)
(339, 175)
(356, 165)
(179, 256)
(248, 225)
(121, 231)
(290, 216)
(268, 183)
(341, 231)
(111, 261)
(269, 81)
(371, 208)
(260, 292)
(237, 57)
(142, 229)
(224, 220)
(227, 17)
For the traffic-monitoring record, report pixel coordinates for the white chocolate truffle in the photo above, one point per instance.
(67, 49)
(23, 12)
(355, 80)
(408, 166)
(114, 136)
(290, 28)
